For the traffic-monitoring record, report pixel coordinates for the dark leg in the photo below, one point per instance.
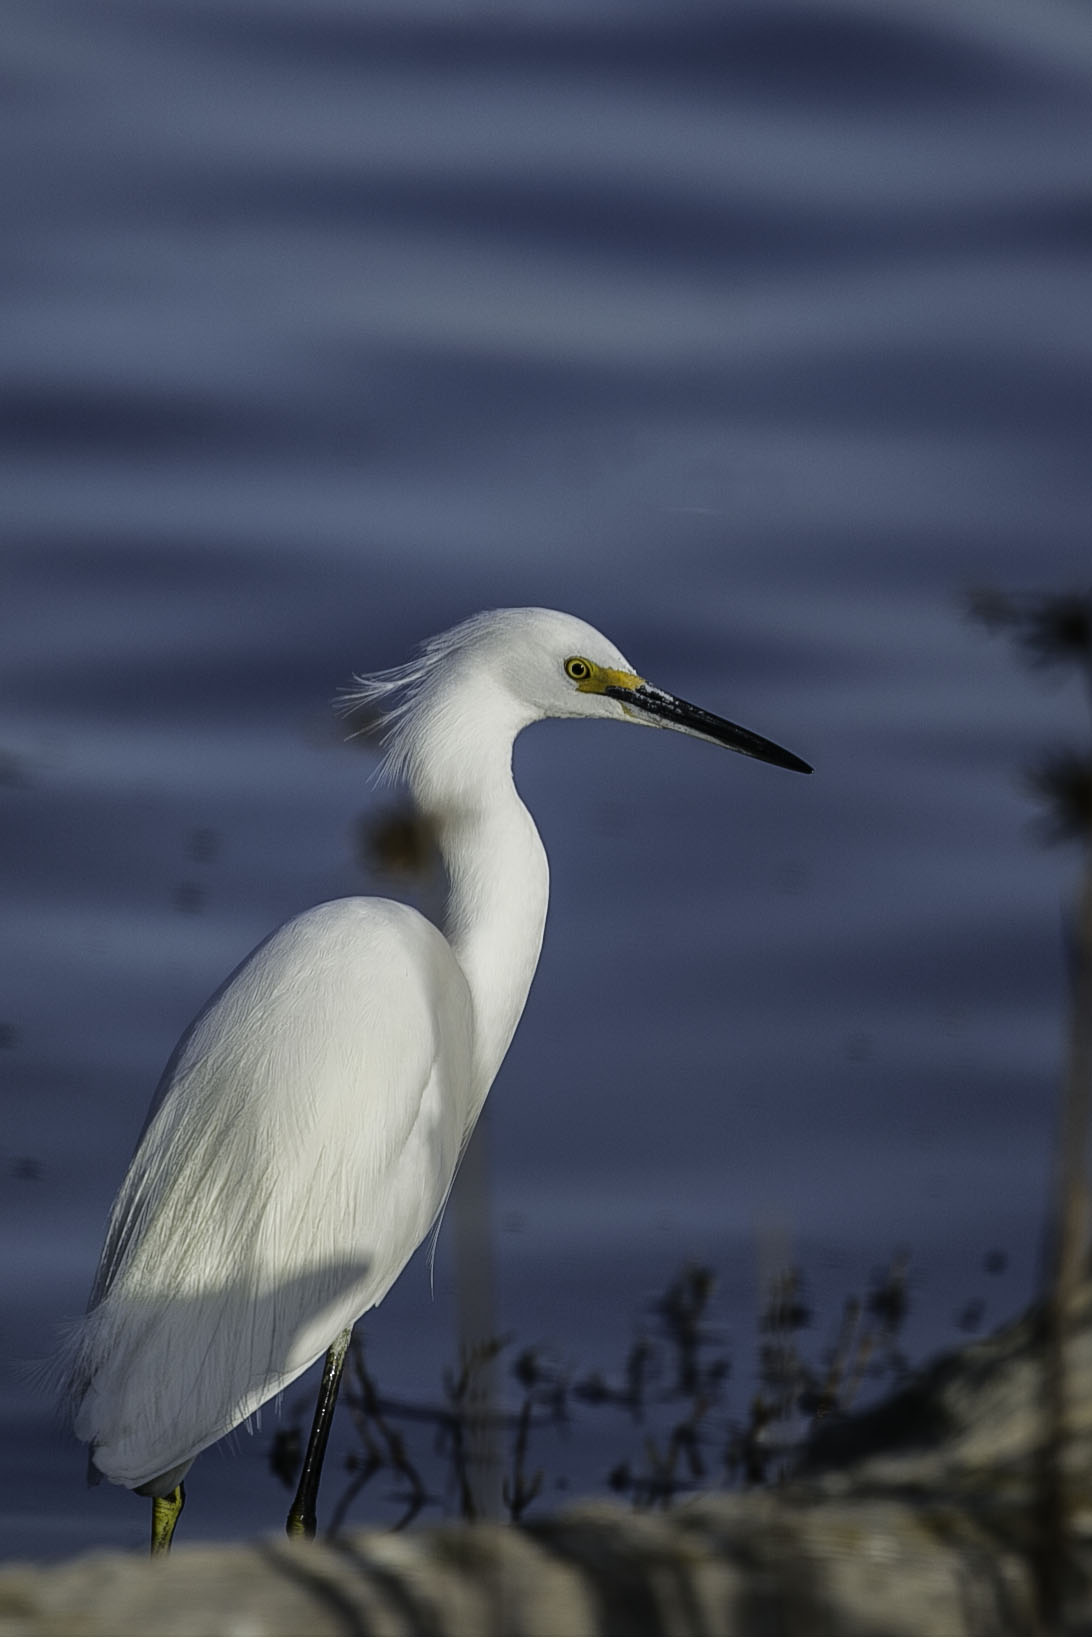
(302, 1518)
(165, 1513)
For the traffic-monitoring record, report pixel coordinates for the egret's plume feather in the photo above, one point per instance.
(392, 700)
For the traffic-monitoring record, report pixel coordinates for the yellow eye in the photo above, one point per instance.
(579, 670)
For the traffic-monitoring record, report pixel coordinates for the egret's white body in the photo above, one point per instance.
(307, 1130)
(311, 1127)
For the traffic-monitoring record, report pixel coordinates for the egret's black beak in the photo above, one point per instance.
(665, 711)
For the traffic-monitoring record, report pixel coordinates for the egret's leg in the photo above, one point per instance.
(165, 1514)
(302, 1518)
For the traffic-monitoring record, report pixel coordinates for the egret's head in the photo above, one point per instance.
(554, 664)
(510, 667)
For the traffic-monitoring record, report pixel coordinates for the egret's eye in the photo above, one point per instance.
(579, 670)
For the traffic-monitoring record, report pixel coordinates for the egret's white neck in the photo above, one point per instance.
(498, 877)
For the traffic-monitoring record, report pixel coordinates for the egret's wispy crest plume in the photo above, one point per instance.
(392, 701)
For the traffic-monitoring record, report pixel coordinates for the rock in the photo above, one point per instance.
(950, 1508)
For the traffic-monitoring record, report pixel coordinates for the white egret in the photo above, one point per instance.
(307, 1129)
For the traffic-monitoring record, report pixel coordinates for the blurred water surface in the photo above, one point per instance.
(754, 333)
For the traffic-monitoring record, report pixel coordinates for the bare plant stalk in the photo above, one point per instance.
(1077, 1102)
(1069, 1254)
(476, 1318)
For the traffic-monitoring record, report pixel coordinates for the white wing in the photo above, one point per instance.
(301, 1144)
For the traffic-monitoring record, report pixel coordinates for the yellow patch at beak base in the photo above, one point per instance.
(602, 677)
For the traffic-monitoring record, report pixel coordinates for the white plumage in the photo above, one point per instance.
(308, 1127)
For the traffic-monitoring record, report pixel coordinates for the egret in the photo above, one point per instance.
(308, 1127)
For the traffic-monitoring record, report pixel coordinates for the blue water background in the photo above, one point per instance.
(754, 333)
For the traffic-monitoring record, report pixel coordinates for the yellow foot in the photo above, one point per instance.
(299, 1526)
(165, 1514)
